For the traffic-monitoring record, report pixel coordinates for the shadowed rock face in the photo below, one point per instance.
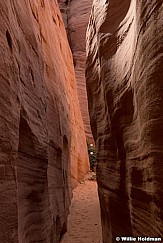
(42, 141)
(76, 17)
(124, 72)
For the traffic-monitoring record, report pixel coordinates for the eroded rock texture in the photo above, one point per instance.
(124, 79)
(76, 17)
(42, 139)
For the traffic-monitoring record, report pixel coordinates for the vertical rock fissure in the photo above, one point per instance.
(76, 16)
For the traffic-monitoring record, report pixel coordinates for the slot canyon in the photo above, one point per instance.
(72, 74)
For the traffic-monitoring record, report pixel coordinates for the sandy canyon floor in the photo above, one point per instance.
(84, 225)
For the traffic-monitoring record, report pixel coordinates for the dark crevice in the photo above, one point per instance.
(9, 39)
(63, 230)
(32, 75)
(54, 21)
(42, 4)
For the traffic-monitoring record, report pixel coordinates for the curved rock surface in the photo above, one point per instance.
(124, 72)
(43, 149)
(76, 17)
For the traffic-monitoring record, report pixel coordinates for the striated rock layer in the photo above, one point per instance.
(42, 139)
(76, 17)
(124, 72)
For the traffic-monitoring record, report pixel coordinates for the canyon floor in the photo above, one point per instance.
(84, 225)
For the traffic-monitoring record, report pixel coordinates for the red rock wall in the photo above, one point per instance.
(76, 17)
(124, 74)
(42, 141)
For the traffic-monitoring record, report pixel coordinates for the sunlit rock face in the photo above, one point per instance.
(42, 141)
(124, 72)
(76, 17)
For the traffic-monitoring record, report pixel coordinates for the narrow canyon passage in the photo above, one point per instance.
(81, 84)
(84, 225)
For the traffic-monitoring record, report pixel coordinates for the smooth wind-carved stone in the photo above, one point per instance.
(42, 140)
(124, 72)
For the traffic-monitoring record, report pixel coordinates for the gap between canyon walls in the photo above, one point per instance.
(76, 17)
(43, 151)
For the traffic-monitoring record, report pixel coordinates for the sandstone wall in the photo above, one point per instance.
(124, 73)
(42, 139)
(76, 17)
